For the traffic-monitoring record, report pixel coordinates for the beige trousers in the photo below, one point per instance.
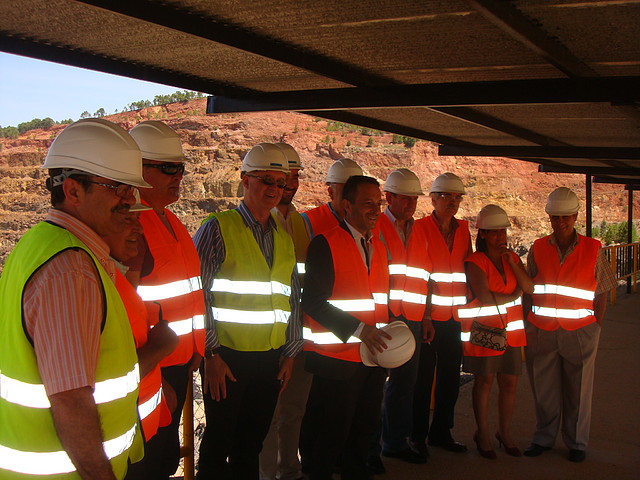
(561, 365)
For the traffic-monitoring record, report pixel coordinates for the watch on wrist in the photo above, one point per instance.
(210, 352)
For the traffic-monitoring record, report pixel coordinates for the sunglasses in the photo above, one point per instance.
(167, 168)
(122, 190)
(269, 181)
(451, 196)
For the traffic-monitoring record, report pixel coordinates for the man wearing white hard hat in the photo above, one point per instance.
(166, 271)
(345, 303)
(571, 280)
(279, 456)
(253, 318)
(61, 312)
(448, 244)
(329, 215)
(407, 301)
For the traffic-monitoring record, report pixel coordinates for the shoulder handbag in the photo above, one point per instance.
(493, 338)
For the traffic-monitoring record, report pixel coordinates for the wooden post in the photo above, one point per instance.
(186, 451)
(589, 199)
(614, 256)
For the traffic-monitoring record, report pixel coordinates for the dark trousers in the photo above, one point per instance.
(344, 418)
(397, 406)
(443, 356)
(237, 425)
(162, 451)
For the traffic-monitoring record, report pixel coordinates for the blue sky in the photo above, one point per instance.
(35, 89)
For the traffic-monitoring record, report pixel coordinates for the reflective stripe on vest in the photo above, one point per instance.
(449, 277)
(574, 314)
(329, 338)
(515, 325)
(397, 269)
(249, 317)
(145, 409)
(447, 301)
(419, 273)
(185, 327)
(152, 293)
(301, 268)
(565, 291)
(247, 287)
(488, 311)
(54, 463)
(34, 395)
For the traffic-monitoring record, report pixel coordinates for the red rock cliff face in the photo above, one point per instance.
(216, 145)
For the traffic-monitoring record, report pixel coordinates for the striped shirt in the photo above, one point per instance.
(63, 310)
(210, 246)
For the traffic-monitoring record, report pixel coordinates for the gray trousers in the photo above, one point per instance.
(279, 456)
(561, 365)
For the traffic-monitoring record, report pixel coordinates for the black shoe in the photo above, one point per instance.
(420, 447)
(449, 444)
(407, 455)
(535, 450)
(577, 456)
(375, 465)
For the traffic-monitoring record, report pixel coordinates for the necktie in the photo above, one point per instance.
(366, 251)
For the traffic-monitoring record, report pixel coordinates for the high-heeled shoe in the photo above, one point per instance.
(490, 454)
(513, 451)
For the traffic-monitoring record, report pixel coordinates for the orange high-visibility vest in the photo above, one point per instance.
(152, 406)
(361, 293)
(320, 219)
(408, 283)
(563, 294)
(447, 268)
(175, 284)
(507, 315)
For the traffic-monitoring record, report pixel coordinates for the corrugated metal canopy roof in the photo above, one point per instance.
(552, 81)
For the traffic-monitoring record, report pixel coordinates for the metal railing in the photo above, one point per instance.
(624, 260)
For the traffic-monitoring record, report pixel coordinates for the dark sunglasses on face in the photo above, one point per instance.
(167, 168)
(269, 181)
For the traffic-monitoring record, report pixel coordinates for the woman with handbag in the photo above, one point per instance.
(492, 326)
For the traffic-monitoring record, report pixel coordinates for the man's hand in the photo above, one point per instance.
(216, 372)
(162, 338)
(428, 332)
(286, 370)
(373, 338)
(194, 363)
(169, 396)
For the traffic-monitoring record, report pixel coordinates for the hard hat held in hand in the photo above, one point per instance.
(293, 159)
(399, 349)
(403, 182)
(447, 183)
(97, 147)
(158, 141)
(492, 217)
(265, 156)
(341, 170)
(562, 201)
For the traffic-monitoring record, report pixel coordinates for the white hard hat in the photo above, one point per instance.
(342, 169)
(404, 182)
(492, 217)
(157, 141)
(399, 349)
(562, 201)
(97, 147)
(293, 159)
(138, 206)
(447, 183)
(265, 156)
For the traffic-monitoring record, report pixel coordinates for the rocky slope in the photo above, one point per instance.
(216, 145)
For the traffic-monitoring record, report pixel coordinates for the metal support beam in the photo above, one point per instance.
(590, 170)
(630, 183)
(630, 233)
(513, 22)
(220, 30)
(589, 200)
(438, 95)
(620, 153)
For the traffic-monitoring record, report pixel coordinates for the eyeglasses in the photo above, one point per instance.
(167, 168)
(456, 197)
(269, 181)
(122, 190)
